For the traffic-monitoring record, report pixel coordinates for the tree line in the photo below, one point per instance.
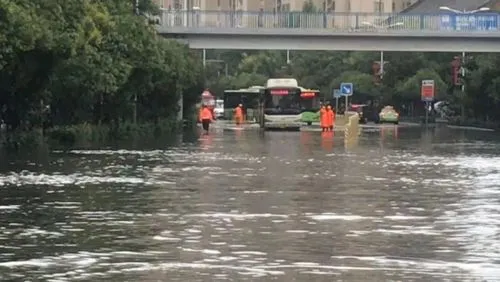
(89, 61)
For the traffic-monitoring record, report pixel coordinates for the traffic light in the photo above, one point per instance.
(376, 72)
(456, 66)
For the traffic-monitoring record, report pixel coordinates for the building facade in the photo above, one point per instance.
(212, 5)
(340, 6)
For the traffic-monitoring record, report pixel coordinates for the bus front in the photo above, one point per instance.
(282, 108)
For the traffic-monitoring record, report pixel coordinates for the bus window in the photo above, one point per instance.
(277, 99)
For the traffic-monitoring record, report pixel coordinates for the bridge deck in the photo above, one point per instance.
(332, 31)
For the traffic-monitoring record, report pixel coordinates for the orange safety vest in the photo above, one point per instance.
(238, 112)
(205, 114)
(322, 117)
(329, 117)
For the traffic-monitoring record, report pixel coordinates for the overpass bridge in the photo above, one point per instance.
(443, 32)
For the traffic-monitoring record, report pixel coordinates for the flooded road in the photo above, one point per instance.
(403, 204)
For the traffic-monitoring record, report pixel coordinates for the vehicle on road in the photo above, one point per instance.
(282, 104)
(366, 113)
(248, 97)
(360, 110)
(310, 102)
(389, 115)
(219, 108)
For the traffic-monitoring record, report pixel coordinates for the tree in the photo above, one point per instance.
(410, 89)
(309, 7)
(89, 62)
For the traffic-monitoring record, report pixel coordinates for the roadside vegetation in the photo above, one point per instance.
(90, 69)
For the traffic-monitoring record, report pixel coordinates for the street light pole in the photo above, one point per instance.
(134, 117)
(204, 57)
(379, 27)
(226, 68)
(381, 64)
(463, 71)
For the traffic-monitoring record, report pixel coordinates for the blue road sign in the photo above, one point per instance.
(469, 22)
(336, 93)
(346, 89)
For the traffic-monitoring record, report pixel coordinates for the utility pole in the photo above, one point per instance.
(136, 6)
(462, 104)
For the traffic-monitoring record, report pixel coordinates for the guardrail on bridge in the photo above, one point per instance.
(376, 22)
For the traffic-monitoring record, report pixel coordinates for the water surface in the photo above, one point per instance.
(402, 204)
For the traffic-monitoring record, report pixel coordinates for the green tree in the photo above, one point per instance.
(309, 7)
(90, 62)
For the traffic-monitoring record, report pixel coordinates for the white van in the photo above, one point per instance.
(219, 108)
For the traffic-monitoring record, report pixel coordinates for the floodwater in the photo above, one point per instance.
(403, 204)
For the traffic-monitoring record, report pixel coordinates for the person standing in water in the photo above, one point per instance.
(206, 117)
(329, 118)
(238, 114)
(333, 116)
(322, 118)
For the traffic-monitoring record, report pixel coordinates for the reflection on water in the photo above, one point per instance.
(327, 140)
(238, 205)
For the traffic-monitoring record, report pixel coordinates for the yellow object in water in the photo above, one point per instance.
(352, 131)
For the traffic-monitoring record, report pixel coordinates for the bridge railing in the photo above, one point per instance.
(375, 22)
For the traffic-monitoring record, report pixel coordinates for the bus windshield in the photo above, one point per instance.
(310, 101)
(282, 101)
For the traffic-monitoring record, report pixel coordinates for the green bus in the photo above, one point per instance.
(310, 102)
(248, 97)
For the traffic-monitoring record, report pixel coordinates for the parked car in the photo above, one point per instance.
(388, 115)
(366, 113)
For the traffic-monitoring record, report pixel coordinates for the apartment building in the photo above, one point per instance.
(213, 5)
(341, 6)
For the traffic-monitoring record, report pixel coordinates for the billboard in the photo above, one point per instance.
(469, 22)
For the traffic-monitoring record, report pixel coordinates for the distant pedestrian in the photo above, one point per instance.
(322, 118)
(329, 118)
(206, 117)
(238, 114)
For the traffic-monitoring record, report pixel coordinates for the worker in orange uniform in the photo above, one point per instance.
(322, 118)
(329, 118)
(334, 116)
(206, 117)
(238, 114)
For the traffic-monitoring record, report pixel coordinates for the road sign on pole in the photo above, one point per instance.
(427, 90)
(337, 95)
(427, 95)
(346, 88)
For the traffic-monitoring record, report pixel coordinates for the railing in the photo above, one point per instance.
(371, 22)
